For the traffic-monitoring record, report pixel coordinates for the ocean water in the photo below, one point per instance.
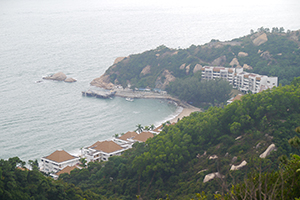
(82, 39)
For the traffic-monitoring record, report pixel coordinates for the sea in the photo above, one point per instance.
(82, 38)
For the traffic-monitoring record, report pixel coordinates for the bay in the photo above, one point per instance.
(82, 39)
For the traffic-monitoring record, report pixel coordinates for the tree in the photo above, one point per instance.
(140, 128)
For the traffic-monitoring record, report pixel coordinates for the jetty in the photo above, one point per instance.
(99, 93)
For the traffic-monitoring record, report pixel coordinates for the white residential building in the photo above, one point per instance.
(57, 161)
(241, 80)
(102, 151)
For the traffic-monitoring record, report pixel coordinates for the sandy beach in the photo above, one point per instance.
(185, 112)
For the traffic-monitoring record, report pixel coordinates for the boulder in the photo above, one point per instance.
(146, 70)
(182, 66)
(211, 176)
(197, 67)
(187, 69)
(103, 82)
(235, 62)
(70, 80)
(260, 39)
(213, 157)
(59, 76)
(268, 151)
(242, 54)
(219, 61)
(119, 59)
(233, 167)
(245, 66)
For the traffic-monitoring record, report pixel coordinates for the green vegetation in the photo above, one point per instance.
(176, 161)
(278, 56)
(17, 182)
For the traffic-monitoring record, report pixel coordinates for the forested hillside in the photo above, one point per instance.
(265, 52)
(176, 161)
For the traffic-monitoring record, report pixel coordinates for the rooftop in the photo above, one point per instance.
(143, 136)
(127, 135)
(67, 169)
(106, 146)
(60, 156)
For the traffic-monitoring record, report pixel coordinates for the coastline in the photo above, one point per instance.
(187, 109)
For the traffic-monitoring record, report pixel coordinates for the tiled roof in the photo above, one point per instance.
(237, 97)
(106, 146)
(67, 169)
(127, 135)
(60, 156)
(143, 136)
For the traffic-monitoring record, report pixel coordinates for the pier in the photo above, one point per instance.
(99, 94)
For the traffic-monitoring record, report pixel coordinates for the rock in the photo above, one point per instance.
(266, 55)
(203, 170)
(182, 66)
(169, 78)
(237, 138)
(235, 62)
(233, 159)
(146, 70)
(211, 176)
(259, 51)
(119, 59)
(219, 61)
(103, 82)
(59, 76)
(70, 80)
(233, 167)
(197, 67)
(268, 151)
(260, 39)
(242, 54)
(213, 157)
(187, 69)
(245, 66)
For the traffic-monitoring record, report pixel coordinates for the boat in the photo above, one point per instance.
(129, 99)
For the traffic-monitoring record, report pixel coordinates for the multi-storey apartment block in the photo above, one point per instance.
(243, 81)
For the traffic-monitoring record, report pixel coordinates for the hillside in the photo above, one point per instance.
(180, 160)
(268, 53)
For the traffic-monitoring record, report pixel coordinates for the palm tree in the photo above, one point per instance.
(152, 127)
(140, 128)
(147, 128)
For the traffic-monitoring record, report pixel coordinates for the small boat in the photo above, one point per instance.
(129, 99)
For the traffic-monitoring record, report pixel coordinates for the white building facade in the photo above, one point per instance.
(243, 81)
(57, 161)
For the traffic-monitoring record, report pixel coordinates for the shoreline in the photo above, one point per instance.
(187, 109)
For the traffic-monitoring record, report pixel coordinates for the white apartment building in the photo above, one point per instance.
(241, 80)
(102, 151)
(57, 161)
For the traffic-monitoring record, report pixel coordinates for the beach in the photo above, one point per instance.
(186, 111)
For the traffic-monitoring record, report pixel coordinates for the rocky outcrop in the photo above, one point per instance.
(219, 61)
(211, 176)
(245, 66)
(146, 70)
(169, 78)
(103, 82)
(197, 67)
(213, 157)
(242, 54)
(59, 76)
(187, 69)
(260, 39)
(235, 62)
(266, 55)
(119, 59)
(70, 80)
(182, 66)
(268, 151)
(233, 167)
